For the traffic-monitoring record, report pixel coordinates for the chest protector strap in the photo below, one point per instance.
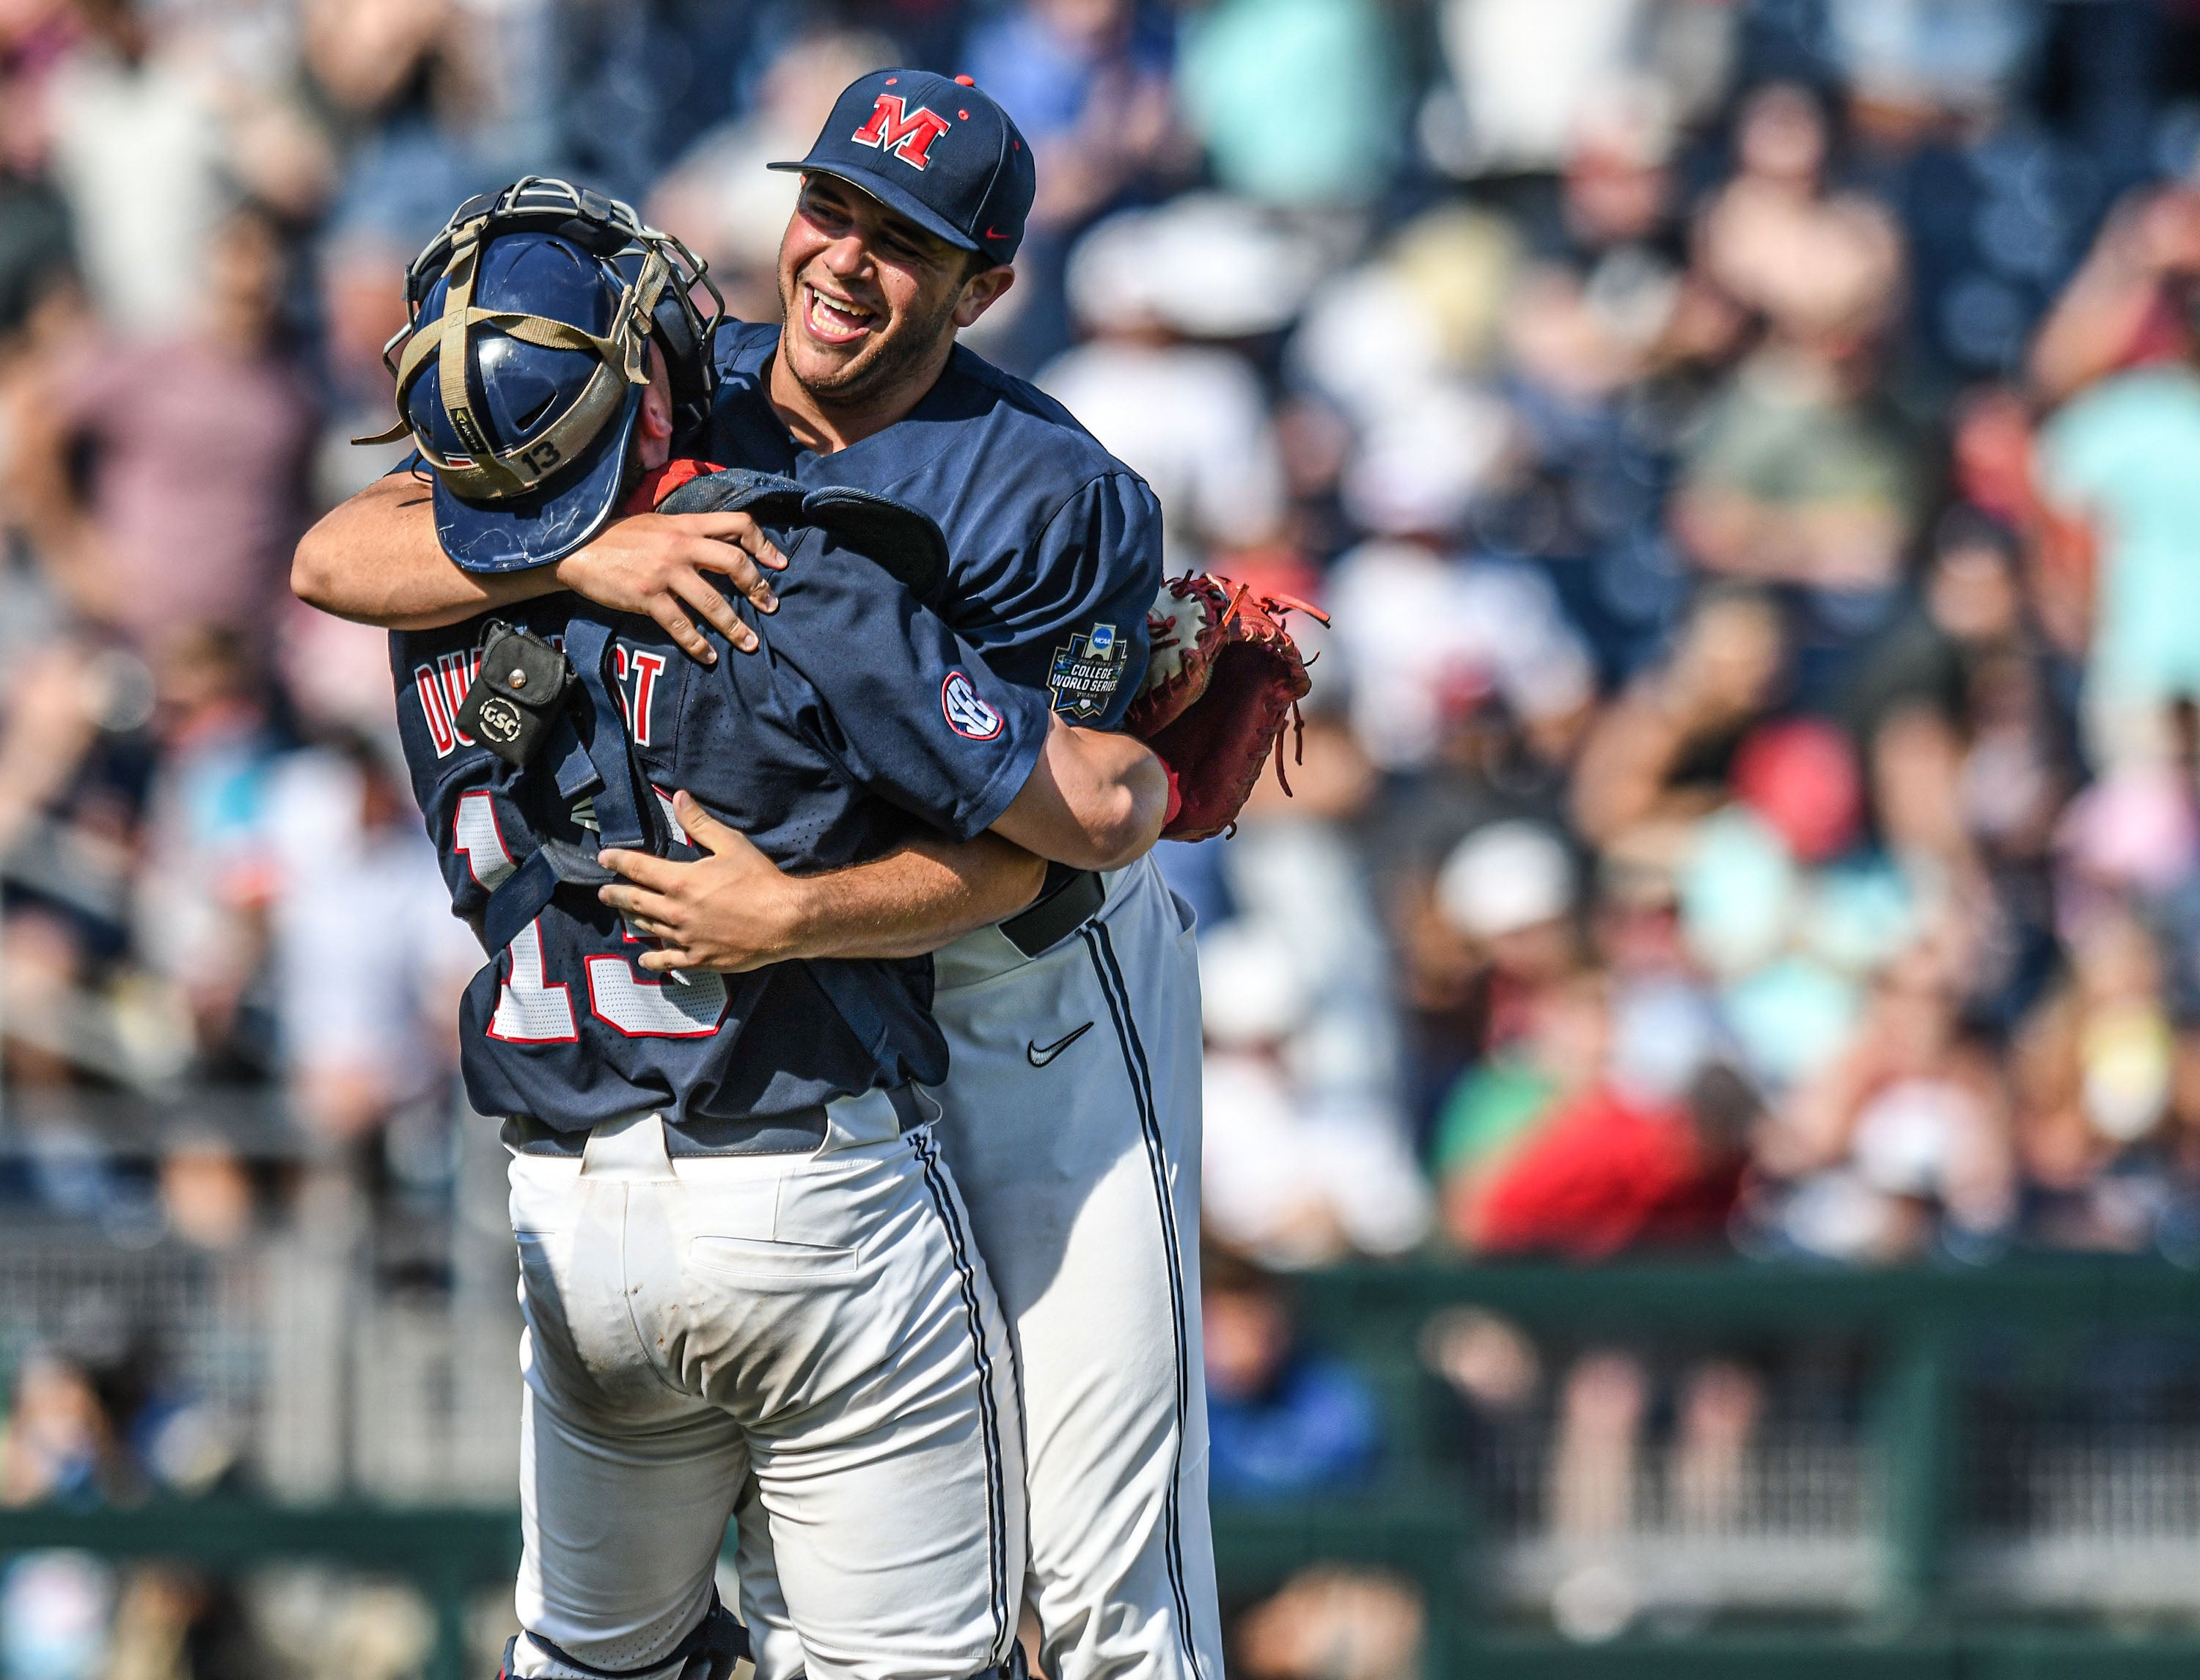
(595, 759)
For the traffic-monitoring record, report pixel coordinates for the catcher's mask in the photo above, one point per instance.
(534, 308)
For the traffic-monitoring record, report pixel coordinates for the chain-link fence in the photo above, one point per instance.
(358, 1349)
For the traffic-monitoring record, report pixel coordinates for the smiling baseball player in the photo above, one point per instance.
(1072, 1096)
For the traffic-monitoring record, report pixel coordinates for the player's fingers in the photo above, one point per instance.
(738, 529)
(697, 592)
(667, 958)
(705, 829)
(672, 615)
(737, 563)
(649, 912)
(660, 874)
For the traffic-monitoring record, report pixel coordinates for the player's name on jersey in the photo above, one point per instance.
(441, 686)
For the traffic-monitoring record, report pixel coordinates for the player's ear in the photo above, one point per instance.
(981, 292)
(652, 428)
(656, 400)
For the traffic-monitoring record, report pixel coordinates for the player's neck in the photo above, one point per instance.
(821, 424)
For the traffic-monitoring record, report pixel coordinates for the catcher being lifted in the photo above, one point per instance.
(1224, 679)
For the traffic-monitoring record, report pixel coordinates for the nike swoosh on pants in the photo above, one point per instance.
(1039, 1055)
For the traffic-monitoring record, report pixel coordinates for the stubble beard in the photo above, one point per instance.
(892, 356)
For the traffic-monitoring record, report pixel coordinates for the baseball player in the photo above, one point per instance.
(1071, 1103)
(743, 1261)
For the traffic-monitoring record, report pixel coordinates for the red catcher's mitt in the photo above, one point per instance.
(1224, 679)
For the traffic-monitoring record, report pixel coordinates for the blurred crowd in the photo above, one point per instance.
(1749, 452)
(1748, 797)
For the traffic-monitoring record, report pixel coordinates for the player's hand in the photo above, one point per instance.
(730, 912)
(655, 563)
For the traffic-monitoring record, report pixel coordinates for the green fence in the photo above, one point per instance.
(1421, 1521)
(1918, 1325)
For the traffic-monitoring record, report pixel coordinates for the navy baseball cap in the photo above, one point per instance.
(937, 151)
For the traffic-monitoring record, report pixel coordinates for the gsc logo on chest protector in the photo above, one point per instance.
(968, 713)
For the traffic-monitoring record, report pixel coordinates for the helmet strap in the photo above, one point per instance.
(487, 474)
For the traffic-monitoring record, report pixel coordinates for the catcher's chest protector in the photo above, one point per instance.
(826, 748)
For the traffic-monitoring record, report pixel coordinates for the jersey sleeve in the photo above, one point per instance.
(912, 711)
(1078, 633)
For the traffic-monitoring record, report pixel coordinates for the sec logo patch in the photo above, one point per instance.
(968, 713)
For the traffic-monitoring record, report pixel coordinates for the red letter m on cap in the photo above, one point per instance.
(909, 138)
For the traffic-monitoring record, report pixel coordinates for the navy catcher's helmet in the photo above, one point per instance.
(526, 361)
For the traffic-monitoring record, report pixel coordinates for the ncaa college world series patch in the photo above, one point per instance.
(1087, 672)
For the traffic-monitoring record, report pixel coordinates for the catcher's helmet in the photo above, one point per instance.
(534, 310)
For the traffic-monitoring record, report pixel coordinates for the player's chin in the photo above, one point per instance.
(830, 367)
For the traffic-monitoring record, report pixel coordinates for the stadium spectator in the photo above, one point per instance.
(1087, 81)
(1283, 1419)
(1146, 286)
(195, 445)
(1238, 55)
(1332, 1622)
(2119, 456)
(365, 1036)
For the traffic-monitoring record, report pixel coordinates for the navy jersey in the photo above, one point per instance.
(861, 720)
(1056, 545)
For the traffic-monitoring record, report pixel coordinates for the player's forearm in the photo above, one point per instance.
(735, 910)
(1094, 800)
(375, 559)
(913, 901)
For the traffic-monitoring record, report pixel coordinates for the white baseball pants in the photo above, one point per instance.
(816, 1330)
(1072, 1123)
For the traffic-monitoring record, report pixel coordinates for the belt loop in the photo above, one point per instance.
(872, 1117)
(633, 1148)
